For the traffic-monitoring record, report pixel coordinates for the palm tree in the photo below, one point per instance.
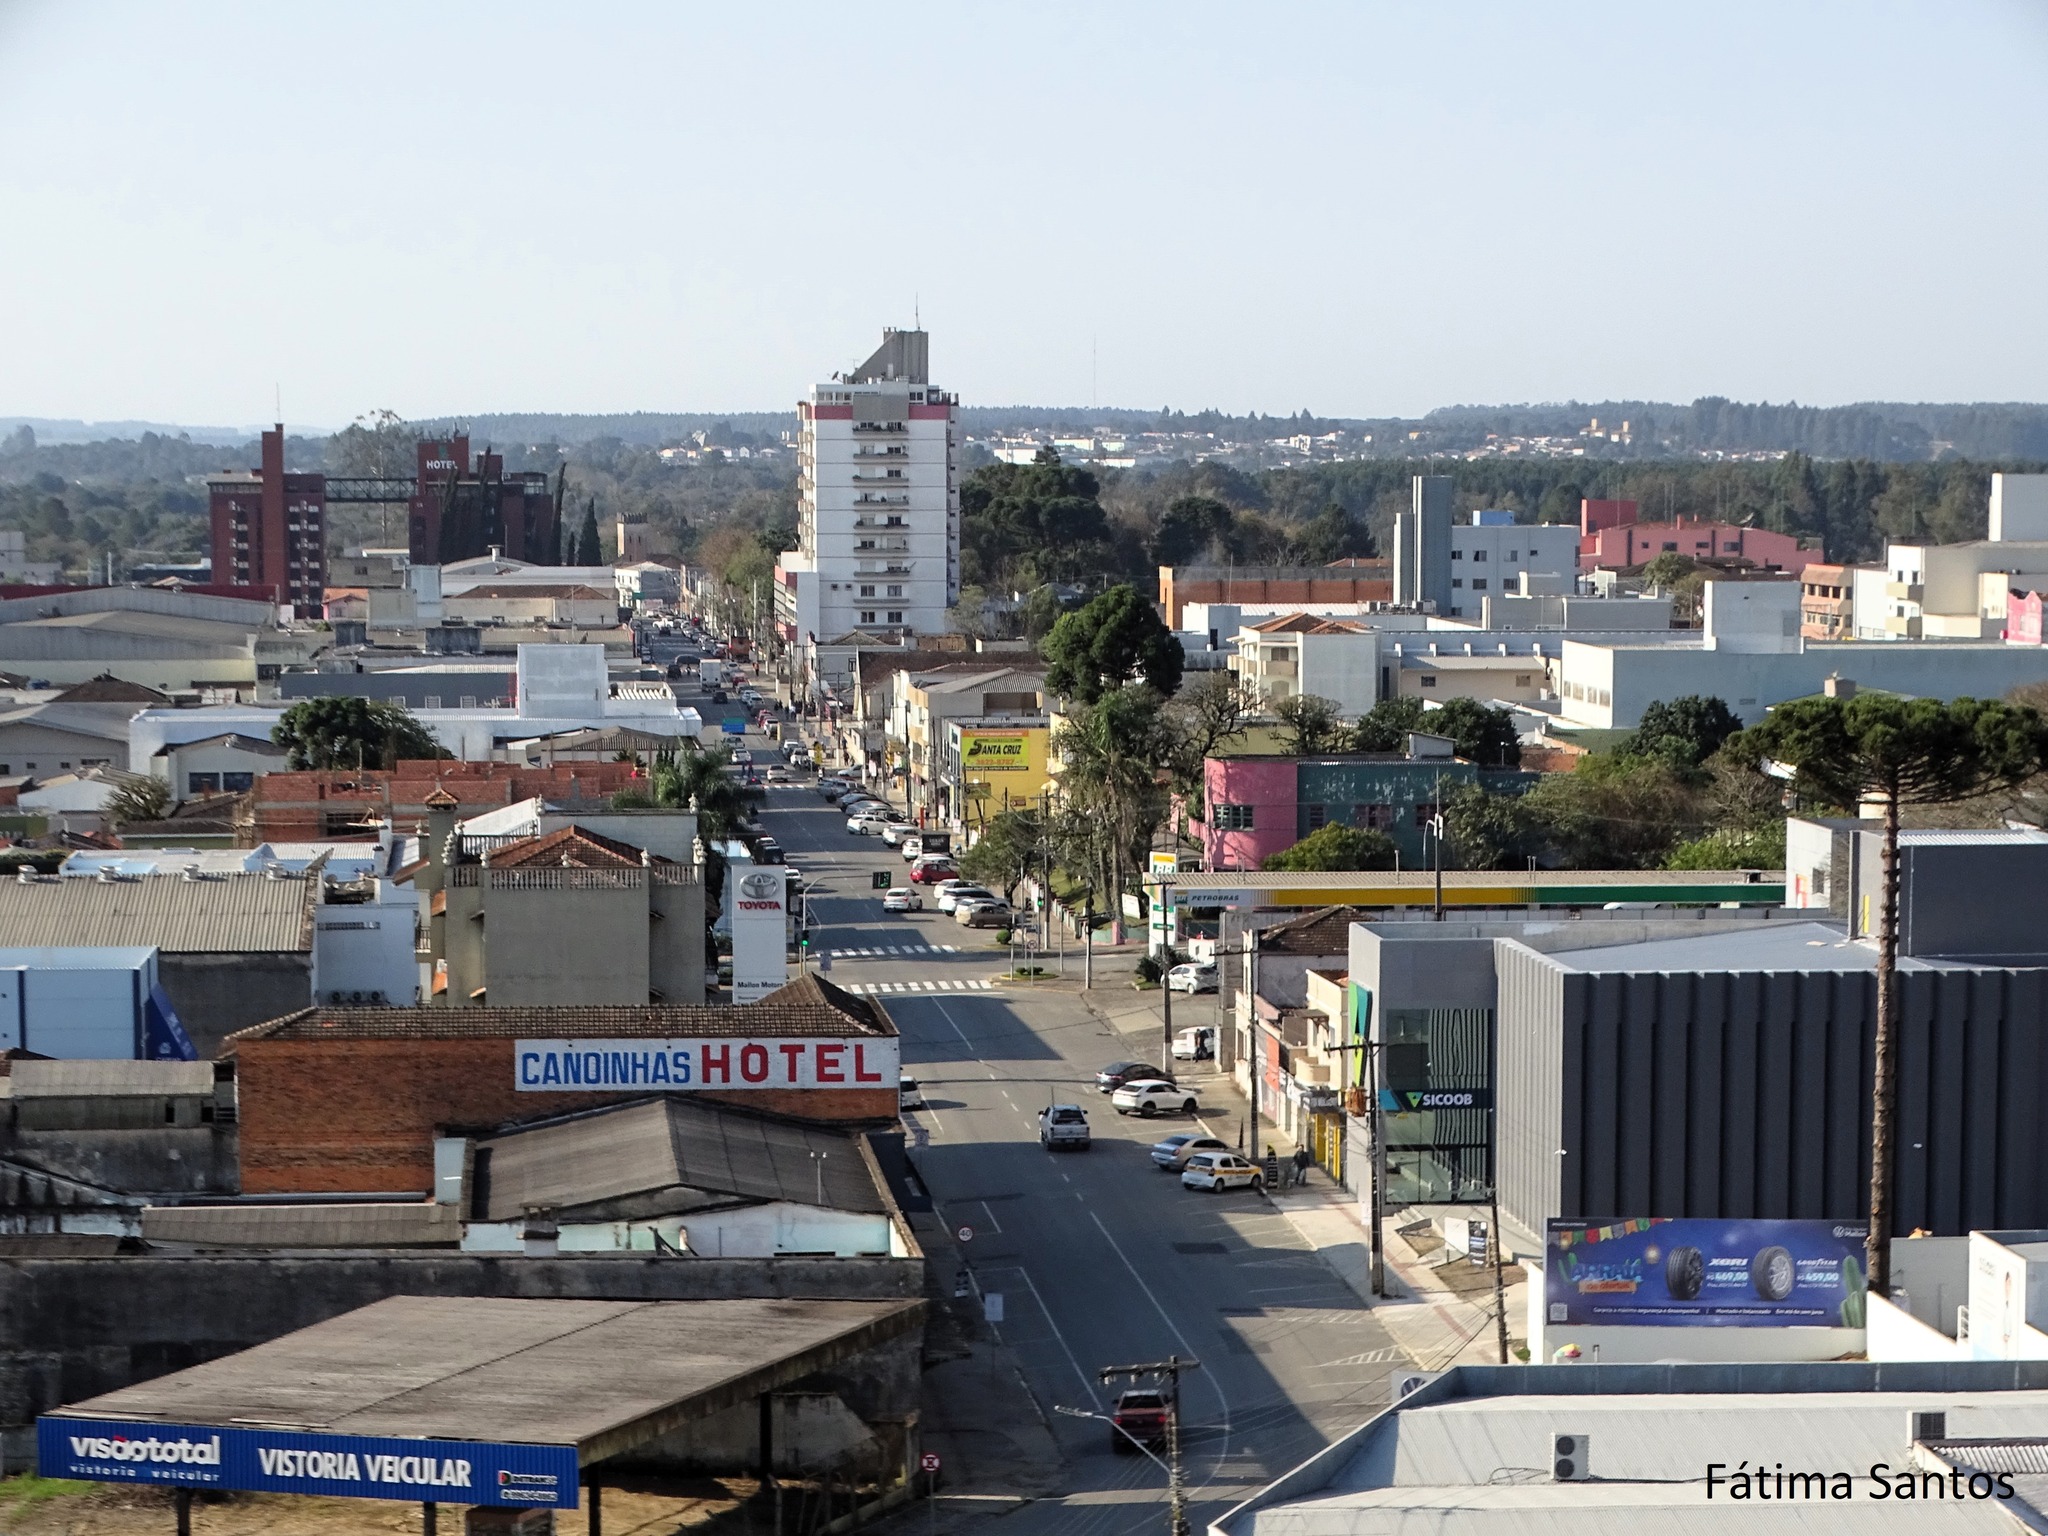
(697, 776)
(1110, 787)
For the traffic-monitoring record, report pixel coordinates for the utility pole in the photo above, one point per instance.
(1255, 1067)
(1167, 1372)
(1088, 945)
(1500, 1298)
(1377, 1173)
(1166, 1012)
(1436, 828)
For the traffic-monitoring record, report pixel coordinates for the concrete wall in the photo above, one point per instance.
(164, 1160)
(31, 747)
(74, 1328)
(217, 994)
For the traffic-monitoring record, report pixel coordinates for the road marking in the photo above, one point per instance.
(1087, 1385)
(1368, 1357)
(927, 988)
(1209, 1377)
(898, 950)
(993, 1225)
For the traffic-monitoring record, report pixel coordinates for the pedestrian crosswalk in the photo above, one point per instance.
(886, 951)
(899, 988)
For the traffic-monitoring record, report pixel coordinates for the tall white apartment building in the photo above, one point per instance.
(878, 511)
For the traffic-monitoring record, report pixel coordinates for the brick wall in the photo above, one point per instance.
(321, 1116)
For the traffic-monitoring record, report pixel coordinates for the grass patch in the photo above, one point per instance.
(23, 1493)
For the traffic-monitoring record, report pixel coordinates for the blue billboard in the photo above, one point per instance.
(287, 1461)
(1651, 1271)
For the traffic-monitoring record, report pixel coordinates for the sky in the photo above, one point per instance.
(1355, 209)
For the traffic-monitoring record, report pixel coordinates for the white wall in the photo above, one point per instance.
(1751, 616)
(2019, 507)
(1498, 554)
(1895, 1334)
(1343, 669)
(368, 947)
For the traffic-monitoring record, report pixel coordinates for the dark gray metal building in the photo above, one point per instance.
(1730, 1075)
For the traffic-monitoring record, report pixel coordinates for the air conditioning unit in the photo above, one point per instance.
(355, 997)
(377, 999)
(1928, 1426)
(1569, 1458)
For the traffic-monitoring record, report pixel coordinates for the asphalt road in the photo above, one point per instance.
(1100, 1258)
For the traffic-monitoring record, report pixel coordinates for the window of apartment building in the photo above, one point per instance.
(1376, 817)
(1522, 679)
(1669, 545)
(1457, 581)
(1457, 554)
(1429, 679)
(431, 701)
(235, 783)
(867, 615)
(867, 591)
(1424, 812)
(1479, 584)
(1516, 554)
(1478, 554)
(895, 615)
(202, 783)
(1318, 816)
(895, 591)
(1231, 818)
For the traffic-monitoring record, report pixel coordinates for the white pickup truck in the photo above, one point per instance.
(1064, 1126)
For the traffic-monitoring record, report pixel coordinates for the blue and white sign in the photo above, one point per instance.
(285, 1461)
(1695, 1271)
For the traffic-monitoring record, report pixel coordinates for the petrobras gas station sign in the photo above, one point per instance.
(667, 1066)
(285, 1461)
(757, 903)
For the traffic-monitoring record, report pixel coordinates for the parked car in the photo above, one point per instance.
(1143, 1415)
(1149, 1096)
(1196, 1044)
(1117, 1073)
(908, 1095)
(901, 898)
(1219, 1171)
(767, 851)
(799, 758)
(1063, 1126)
(864, 822)
(993, 913)
(1192, 978)
(953, 892)
(1172, 1154)
(932, 870)
(893, 832)
(862, 805)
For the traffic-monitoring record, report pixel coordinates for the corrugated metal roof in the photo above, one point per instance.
(241, 914)
(397, 1224)
(674, 1144)
(110, 1079)
(810, 1005)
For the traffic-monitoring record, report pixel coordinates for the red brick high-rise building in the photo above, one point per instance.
(270, 529)
(462, 509)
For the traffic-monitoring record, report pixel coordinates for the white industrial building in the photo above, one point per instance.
(560, 688)
(878, 512)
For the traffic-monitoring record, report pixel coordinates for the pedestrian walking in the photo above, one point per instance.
(1301, 1162)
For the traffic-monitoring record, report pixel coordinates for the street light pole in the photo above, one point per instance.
(1168, 1371)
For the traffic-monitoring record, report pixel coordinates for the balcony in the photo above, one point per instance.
(1905, 591)
(1902, 628)
(871, 499)
(890, 451)
(872, 428)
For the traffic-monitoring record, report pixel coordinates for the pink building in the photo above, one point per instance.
(2023, 617)
(1251, 805)
(1623, 546)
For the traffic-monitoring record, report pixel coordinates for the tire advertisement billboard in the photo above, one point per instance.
(1674, 1272)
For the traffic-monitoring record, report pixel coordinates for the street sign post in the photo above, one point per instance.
(965, 1234)
(928, 1462)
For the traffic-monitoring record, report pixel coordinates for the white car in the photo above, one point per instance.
(908, 1094)
(892, 833)
(1148, 1096)
(864, 822)
(901, 898)
(1192, 978)
(742, 757)
(1219, 1171)
(954, 892)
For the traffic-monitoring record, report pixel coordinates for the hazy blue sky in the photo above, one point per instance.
(1360, 209)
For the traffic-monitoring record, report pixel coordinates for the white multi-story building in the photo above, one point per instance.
(878, 512)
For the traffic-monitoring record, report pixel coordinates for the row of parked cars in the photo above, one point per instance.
(1203, 1161)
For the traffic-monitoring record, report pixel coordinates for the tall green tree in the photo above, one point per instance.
(1385, 727)
(1310, 725)
(1111, 791)
(1483, 733)
(1210, 711)
(1684, 731)
(352, 732)
(1898, 752)
(1117, 638)
(1336, 847)
(1190, 525)
(1022, 524)
(589, 549)
(700, 777)
(1012, 847)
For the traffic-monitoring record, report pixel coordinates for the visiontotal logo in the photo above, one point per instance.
(184, 1452)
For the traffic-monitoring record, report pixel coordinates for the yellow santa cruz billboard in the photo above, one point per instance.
(996, 751)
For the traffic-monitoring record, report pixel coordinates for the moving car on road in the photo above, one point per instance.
(1117, 1073)
(901, 898)
(1150, 1097)
(908, 1095)
(1192, 978)
(1173, 1153)
(1218, 1171)
(1063, 1126)
(1144, 1415)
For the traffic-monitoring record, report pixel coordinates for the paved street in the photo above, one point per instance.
(1099, 1258)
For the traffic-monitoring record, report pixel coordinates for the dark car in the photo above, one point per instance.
(718, 696)
(1117, 1073)
(767, 851)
